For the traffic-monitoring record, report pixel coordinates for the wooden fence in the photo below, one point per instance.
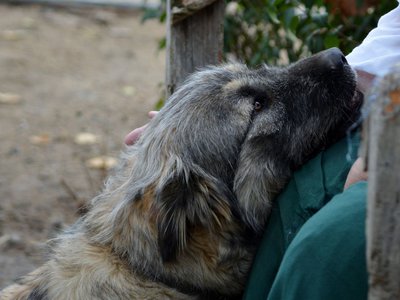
(383, 220)
(194, 37)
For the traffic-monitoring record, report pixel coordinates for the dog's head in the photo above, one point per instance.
(227, 141)
(305, 107)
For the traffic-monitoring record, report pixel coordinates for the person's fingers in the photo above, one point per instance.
(356, 173)
(134, 135)
(364, 80)
(152, 114)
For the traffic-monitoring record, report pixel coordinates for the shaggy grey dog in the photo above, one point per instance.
(181, 216)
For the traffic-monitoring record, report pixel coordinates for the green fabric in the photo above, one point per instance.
(310, 189)
(327, 258)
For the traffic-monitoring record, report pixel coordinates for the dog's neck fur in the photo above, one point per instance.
(111, 213)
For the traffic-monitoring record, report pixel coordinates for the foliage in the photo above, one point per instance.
(281, 31)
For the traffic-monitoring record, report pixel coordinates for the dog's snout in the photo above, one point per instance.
(334, 59)
(324, 63)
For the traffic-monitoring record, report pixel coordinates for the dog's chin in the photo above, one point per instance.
(354, 108)
(357, 100)
(349, 123)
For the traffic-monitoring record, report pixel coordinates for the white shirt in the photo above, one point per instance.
(380, 50)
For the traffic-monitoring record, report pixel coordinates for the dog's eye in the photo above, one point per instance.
(258, 106)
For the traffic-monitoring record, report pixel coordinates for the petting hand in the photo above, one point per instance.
(356, 173)
(134, 135)
(364, 80)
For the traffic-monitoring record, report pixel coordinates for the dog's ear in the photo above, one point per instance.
(185, 201)
(258, 179)
(172, 200)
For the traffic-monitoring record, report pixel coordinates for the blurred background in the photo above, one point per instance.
(77, 75)
(73, 81)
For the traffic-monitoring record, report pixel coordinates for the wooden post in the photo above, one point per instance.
(383, 220)
(194, 38)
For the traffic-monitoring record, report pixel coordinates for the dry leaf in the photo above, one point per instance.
(128, 90)
(12, 35)
(7, 98)
(86, 138)
(101, 162)
(42, 139)
(89, 33)
(28, 23)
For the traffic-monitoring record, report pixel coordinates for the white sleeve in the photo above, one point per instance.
(380, 50)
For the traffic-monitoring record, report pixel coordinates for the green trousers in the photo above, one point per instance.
(314, 243)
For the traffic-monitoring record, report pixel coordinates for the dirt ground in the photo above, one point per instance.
(65, 73)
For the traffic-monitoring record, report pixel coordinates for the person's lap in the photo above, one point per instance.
(327, 258)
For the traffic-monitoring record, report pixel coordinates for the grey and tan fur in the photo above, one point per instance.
(180, 217)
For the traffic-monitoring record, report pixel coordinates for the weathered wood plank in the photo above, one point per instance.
(383, 220)
(182, 9)
(193, 42)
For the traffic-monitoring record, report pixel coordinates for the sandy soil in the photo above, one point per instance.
(67, 73)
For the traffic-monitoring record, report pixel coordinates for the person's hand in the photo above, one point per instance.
(364, 80)
(356, 173)
(134, 135)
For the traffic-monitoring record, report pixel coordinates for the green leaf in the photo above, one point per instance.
(276, 2)
(288, 16)
(261, 30)
(150, 14)
(160, 103)
(294, 23)
(331, 41)
(273, 16)
(309, 3)
(162, 43)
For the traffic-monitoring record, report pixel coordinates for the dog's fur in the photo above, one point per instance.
(179, 218)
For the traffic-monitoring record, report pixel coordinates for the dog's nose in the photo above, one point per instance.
(334, 59)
